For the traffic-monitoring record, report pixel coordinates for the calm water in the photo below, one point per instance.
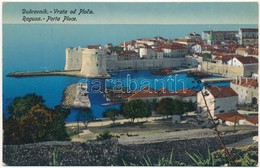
(42, 47)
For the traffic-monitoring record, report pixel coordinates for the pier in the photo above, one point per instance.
(212, 80)
(185, 70)
(75, 73)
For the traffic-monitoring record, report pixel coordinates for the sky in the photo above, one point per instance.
(138, 12)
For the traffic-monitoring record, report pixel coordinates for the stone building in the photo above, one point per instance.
(247, 89)
(216, 37)
(248, 36)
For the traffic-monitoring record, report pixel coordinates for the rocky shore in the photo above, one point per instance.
(75, 96)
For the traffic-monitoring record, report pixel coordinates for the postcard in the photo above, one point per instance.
(130, 83)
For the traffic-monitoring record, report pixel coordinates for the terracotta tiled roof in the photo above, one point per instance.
(253, 119)
(247, 60)
(255, 52)
(224, 58)
(93, 47)
(146, 92)
(157, 50)
(249, 30)
(173, 47)
(247, 83)
(219, 92)
(186, 92)
(231, 117)
(131, 43)
(164, 92)
(128, 52)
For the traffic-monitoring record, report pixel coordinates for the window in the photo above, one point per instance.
(97, 65)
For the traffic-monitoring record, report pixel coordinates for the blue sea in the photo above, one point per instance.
(33, 47)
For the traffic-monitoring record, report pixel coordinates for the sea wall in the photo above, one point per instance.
(109, 152)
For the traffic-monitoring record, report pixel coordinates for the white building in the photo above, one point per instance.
(196, 49)
(146, 52)
(234, 117)
(218, 99)
(243, 61)
(247, 90)
(174, 50)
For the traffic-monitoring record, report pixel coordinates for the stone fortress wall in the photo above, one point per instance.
(95, 62)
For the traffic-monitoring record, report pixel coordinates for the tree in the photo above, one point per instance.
(38, 124)
(12, 132)
(57, 128)
(35, 123)
(111, 113)
(85, 116)
(178, 107)
(135, 109)
(189, 106)
(165, 107)
(148, 109)
(21, 105)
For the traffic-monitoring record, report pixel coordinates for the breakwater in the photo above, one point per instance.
(110, 152)
(75, 73)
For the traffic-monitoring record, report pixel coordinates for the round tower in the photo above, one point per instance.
(93, 62)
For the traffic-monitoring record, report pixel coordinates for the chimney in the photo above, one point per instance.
(246, 79)
(240, 81)
(236, 79)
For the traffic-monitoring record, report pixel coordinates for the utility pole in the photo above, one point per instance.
(235, 122)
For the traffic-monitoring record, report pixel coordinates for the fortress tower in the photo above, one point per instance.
(93, 62)
(73, 58)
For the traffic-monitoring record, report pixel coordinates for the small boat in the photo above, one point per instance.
(105, 104)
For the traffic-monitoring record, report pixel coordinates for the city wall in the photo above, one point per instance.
(151, 63)
(226, 70)
(109, 152)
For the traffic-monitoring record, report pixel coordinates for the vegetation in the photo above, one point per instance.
(35, 123)
(189, 106)
(112, 114)
(21, 105)
(136, 109)
(199, 160)
(169, 106)
(85, 116)
(104, 135)
(212, 159)
(206, 56)
(160, 162)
